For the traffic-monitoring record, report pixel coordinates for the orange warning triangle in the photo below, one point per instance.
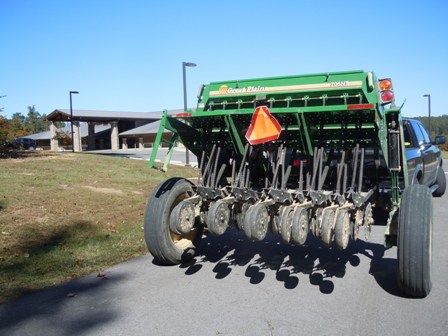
(263, 127)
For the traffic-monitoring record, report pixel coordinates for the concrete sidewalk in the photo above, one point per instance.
(178, 157)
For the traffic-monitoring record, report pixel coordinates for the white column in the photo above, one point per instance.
(114, 140)
(77, 137)
(54, 144)
(124, 144)
(140, 143)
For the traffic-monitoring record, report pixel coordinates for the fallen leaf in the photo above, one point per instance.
(70, 295)
(102, 275)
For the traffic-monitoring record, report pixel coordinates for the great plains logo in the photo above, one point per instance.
(224, 89)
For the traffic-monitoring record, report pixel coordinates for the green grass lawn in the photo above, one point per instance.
(65, 215)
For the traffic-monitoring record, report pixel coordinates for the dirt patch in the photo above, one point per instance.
(31, 213)
(41, 156)
(105, 190)
(137, 192)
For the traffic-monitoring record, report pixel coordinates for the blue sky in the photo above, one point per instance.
(127, 55)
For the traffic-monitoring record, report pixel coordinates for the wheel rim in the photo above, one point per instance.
(260, 223)
(182, 241)
(218, 218)
(182, 217)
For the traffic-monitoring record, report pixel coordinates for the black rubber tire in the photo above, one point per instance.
(441, 182)
(166, 247)
(414, 252)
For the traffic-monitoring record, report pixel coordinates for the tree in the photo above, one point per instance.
(17, 125)
(63, 138)
(34, 122)
(5, 148)
(439, 124)
(2, 108)
(4, 131)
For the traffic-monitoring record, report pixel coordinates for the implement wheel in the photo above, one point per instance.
(327, 226)
(241, 214)
(166, 246)
(415, 241)
(286, 224)
(218, 218)
(182, 218)
(342, 229)
(300, 225)
(247, 226)
(259, 222)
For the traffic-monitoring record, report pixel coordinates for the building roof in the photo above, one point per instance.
(146, 129)
(92, 115)
(84, 128)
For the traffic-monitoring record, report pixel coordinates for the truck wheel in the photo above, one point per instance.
(167, 247)
(441, 182)
(415, 241)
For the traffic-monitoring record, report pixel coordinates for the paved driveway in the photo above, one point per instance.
(237, 287)
(178, 157)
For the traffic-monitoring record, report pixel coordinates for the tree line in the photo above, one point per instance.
(439, 125)
(19, 126)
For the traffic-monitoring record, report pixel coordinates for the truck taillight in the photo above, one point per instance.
(386, 84)
(387, 96)
(387, 93)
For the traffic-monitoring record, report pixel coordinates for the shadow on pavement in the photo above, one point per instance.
(313, 259)
(385, 273)
(63, 306)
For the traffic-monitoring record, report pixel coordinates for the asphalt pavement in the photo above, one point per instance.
(238, 287)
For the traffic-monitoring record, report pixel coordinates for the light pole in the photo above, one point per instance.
(71, 118)
(429, 113)
(184, 73)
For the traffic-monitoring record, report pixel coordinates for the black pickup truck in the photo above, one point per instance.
(424, 158)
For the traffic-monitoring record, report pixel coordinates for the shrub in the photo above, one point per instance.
(6, 145)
